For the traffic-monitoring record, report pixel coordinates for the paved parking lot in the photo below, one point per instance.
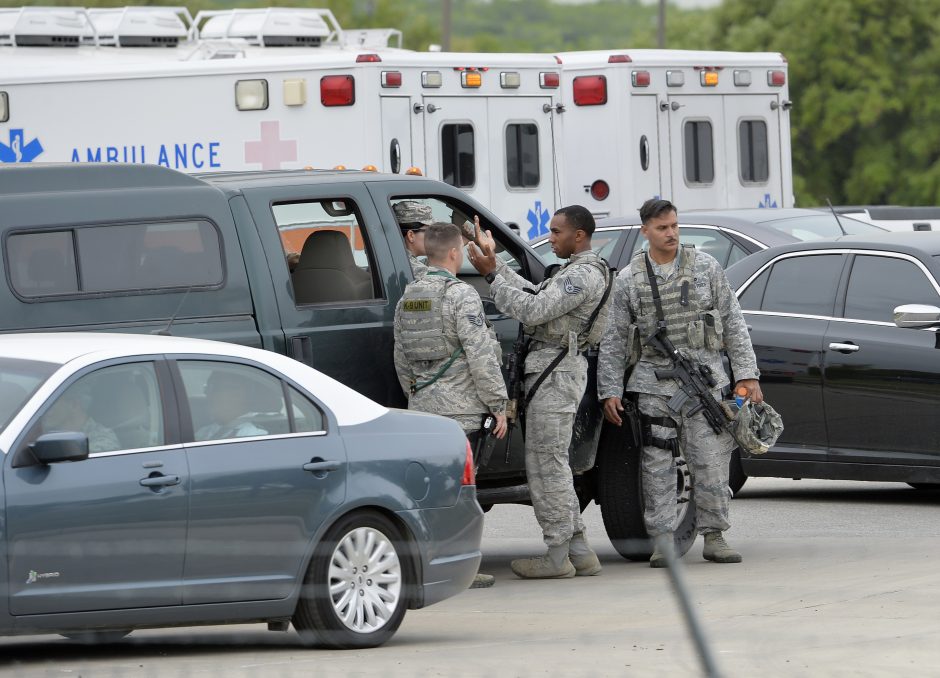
(838, 579)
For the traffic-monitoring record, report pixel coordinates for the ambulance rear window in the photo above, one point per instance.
(699, 153)
(752, 151)
(522, 155)
(458, 161)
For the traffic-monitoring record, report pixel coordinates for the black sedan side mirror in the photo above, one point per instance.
(916, 316)
(52, 448)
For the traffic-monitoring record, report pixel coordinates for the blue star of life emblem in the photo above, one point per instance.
(767, 201)
(539, 219)
(18, 150)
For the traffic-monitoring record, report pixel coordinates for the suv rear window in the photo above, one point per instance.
(114, 258)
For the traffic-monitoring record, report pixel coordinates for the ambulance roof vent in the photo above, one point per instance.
(143, 26)
(271, 26)
(45, 27)
(373, 38)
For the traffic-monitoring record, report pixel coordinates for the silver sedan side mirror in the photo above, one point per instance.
(916, 316)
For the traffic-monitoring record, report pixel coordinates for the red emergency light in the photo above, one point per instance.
(337, 90)
(641, 78)
(368, 59)
(600, 190)
(548, 80)
(619, 59)
(391, 78)
(776, 78)
(590, 90)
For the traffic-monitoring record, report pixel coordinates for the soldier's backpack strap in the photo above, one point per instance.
(561, 355)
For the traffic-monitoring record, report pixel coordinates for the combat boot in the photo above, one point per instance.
(717, 549)
(658, 559)
(582, 556)
(553, 565)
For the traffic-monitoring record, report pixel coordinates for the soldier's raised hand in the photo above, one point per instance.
(483, 254)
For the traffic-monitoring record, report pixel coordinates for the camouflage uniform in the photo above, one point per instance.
(633, 319)
(414, 212)
(554, 317)
(425, 340)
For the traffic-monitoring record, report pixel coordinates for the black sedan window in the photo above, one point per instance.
(804, 285)
(878, 284)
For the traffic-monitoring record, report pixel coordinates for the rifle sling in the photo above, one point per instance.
(418, 385)
(654, 286)
(561, 355)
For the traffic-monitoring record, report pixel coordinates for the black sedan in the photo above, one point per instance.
(728, 235)
(845, 332)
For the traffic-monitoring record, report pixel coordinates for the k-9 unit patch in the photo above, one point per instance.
(416, 305)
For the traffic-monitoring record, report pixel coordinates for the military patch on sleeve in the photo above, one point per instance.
(477, 319)
(570, 287)
(416, 305)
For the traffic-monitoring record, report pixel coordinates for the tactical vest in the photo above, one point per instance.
(681, 320)
(557, 330)
(422, 320)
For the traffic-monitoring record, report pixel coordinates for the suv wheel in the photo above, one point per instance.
(620, 491)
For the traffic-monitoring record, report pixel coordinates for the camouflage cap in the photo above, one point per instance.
(757, 427)
(413, 212)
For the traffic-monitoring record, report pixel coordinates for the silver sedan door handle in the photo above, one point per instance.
(160, 481)
(843, 347)
(321, 466)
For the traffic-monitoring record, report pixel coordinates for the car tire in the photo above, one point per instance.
(97, 637)
(620, 491)
(736, 475)
(343, 605)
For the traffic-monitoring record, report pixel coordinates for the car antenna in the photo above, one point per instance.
(165, 332)
(836, 215)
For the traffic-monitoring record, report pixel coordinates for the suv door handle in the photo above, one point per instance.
(321, 467)
(846, 347)
(160, 481)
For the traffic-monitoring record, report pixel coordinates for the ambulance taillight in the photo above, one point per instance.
(776, 78)
(549, 80)
(337, 90)
(391, 78)
(641, 78)
(600, 190)
(590, 90)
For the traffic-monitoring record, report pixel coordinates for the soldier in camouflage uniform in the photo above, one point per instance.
(555, 315)
(702, 317)
(413, 218)
(446, 354)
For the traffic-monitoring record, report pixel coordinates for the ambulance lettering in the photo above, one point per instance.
(181, 156)
(18, 150)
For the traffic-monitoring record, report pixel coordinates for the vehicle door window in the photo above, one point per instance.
(804, 285)
(752, 151)
(708, 240)
(879, 284)
(117, 407)
(19, 379)
(231, 400)
(327, 251)
(698, 152)
(307, 416)
(737, 254)
(522, 155)
(458, 161)
(753, 295)
(602, 242)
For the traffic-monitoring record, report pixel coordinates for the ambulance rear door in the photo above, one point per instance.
(698, 151)
(753, 143)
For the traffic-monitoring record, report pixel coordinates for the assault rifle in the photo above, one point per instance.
(695, 381)
(514, 364)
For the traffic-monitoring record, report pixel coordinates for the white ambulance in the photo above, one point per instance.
(481, 122)
(702, 129)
